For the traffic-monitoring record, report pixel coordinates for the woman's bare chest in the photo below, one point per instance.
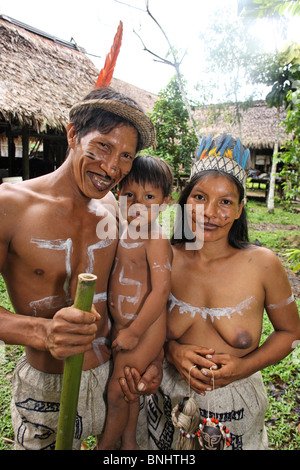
(226, 302)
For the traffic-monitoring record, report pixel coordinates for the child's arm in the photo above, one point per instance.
(159, 258)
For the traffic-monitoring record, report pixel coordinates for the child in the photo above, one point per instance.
(138, 290)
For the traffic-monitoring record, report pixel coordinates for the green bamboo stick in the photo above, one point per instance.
(72, 370)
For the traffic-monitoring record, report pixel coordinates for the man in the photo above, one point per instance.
(48, 236)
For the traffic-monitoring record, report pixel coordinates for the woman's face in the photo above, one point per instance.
(217, 197)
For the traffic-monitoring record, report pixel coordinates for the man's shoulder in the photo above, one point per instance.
(12, 192)
(16, 198)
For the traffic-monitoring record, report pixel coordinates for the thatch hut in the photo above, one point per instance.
(41, 77)
(258, 129)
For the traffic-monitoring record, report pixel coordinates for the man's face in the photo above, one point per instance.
(100, 161)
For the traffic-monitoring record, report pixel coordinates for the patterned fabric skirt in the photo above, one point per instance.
(241, 406)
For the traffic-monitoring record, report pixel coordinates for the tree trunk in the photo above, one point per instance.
(271, 195)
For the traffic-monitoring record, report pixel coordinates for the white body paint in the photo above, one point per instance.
(124, 281)
(210, 312)
(67, 246)
(92, 248)
(163, 268)
(93, 207)
(101, 297)
(52, 301)
(283, 303)
(59, 245)
(129, 246)
(98, 342)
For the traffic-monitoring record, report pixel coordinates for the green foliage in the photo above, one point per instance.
(282, 380)
(258, 213)
(176, 139)
(281, 241)
(8, 358)
(269, 8)
(291, 149)
(294, 257)
(279, 70)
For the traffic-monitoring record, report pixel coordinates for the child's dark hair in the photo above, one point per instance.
(150, 169)
(238, 234)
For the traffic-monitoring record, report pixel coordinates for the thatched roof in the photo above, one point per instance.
(258, 125)
(41, 77)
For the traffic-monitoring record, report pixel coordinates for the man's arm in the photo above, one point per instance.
(70, 332)
(134, 385)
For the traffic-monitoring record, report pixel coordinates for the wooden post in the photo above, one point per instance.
(11, 151)
(25, 153)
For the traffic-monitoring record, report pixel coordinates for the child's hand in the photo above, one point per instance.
(125, 340)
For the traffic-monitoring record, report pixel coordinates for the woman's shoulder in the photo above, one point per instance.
(261, 256)
(259, 251)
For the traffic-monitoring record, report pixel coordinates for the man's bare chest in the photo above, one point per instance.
(56, 243)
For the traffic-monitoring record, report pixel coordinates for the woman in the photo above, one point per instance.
(218, 297)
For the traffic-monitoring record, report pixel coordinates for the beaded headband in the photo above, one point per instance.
(224, 154)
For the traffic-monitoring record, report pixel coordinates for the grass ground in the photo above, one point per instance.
(279, 231)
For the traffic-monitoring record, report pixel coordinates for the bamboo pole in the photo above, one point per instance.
(72, 370)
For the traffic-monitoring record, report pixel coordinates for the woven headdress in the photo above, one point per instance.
(135, 116)
(224, 154)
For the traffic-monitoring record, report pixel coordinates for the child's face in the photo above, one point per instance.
(142, 204)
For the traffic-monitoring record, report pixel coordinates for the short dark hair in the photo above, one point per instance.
(88, 118)
(238, 234)
(150, 169)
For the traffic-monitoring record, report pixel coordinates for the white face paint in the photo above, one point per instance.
(124, 281)
(210, 312)
(283, 303)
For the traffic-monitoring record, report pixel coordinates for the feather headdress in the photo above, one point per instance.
(106, 73)
(121, 105)
(224, 154)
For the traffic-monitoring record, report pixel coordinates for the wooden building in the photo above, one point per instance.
(258, 129)
(41, 78)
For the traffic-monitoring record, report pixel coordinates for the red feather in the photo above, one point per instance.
(106, 73)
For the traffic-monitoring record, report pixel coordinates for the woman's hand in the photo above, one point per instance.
(185, 357)
(230, 369)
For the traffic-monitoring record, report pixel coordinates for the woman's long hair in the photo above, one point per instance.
(238, 234)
